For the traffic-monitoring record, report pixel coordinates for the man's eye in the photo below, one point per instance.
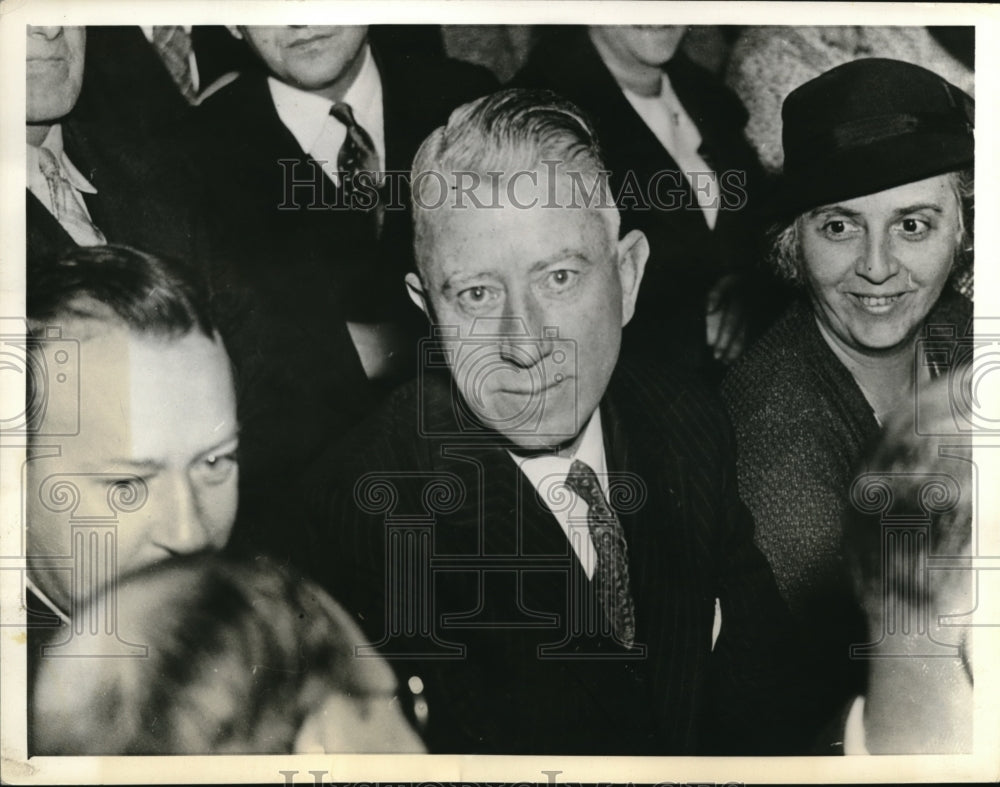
(475, 296)
(562, 277)
(216, 468)
(126, 484)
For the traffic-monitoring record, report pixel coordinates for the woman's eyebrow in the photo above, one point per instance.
(826, 210)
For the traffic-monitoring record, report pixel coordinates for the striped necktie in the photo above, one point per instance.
(67, 202)
(357, 158)
(173, 43)
(611, 575)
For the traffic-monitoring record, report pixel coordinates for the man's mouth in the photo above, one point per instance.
(303, 43)
(555, 382)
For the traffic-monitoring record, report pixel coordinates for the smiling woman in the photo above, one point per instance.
(873, 218)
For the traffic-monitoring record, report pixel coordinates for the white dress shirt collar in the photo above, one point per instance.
(54, 142)
(665, 116)
(36, 182)
(46, 601)
(548, 475)
(307, 116)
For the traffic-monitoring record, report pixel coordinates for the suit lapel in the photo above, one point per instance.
(45, 235)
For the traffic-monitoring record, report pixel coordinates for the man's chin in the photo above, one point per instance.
(545, 440)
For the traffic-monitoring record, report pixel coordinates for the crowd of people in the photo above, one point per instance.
(412, 411)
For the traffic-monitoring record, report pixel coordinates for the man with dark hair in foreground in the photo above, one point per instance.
(133, 421)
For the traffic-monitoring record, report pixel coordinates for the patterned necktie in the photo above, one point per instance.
(357, 158)
(67, 203)
(611, 577)
(173, 43)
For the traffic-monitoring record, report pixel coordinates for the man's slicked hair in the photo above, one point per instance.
(509, 131)
(512, 129)
(143, 292)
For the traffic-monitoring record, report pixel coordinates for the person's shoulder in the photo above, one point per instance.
(436, 79)
(667, 404)
(708, 90)
(243, 94)
(776, 371)
(111, 153)
(563, 60)
(952, 309)
(398, 432)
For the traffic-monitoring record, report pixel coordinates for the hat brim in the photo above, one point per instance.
(876, 167)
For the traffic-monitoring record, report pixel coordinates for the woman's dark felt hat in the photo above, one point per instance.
(867, 126)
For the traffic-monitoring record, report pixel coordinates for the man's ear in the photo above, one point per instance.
(633, 251)
(417, 293)
(234, 31)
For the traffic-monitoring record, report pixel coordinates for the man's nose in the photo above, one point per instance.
(181, 529)
(48, 33)
(878, 263)
(524, 340)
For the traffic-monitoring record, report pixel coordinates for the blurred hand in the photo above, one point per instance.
(725, 318)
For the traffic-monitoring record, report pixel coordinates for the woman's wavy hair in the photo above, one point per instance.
(784, 248)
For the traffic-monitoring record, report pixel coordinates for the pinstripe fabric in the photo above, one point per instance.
(520, 685)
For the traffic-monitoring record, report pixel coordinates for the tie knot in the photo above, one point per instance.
(583, 480)
(172, 37)
(343, 112)
(48, 163)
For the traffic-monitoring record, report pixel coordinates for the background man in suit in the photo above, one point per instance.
(548, 541)
(672, 135)
(316, 313)
(133, 408)
(145, 80)
(88, 185)
(282, 149)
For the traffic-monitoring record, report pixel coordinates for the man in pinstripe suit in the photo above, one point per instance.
(546, 542)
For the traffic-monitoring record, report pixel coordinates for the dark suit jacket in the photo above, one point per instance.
(126, 84)
(144, 197)
(491, 639)
(250, 158)
(295, 275)
(686, 257)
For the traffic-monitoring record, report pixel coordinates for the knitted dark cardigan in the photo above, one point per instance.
(802, 425)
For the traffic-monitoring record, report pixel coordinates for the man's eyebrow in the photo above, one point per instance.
(232, 437)
(565, 253)
(561, 255)
(457, 280)
(138, 466)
